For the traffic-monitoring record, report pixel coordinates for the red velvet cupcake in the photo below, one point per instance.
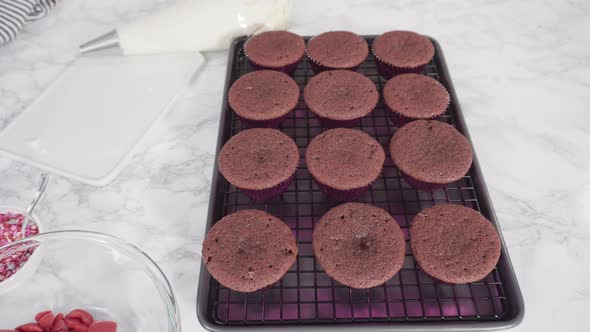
(454, 243)
(276, 50)
(400, 52)
(430, 154)
(344, 162)
(336, 50)
(261, 162)
(359, 245)
(340, 98)
(414, 97)
(249, 250)
(263, 98)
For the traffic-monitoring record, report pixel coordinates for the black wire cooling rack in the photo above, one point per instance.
(306, 297)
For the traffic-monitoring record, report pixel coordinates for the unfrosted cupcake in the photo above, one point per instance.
(344, 162)
(336, 50)
(400, 52)
(414, 97)
(276, 50)
(359, 245)
(249, 250)
(261, 162)
(430, 154)
(454, 243)
(263, 98)
(340, 98)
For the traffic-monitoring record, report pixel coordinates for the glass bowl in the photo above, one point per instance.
(108, 277)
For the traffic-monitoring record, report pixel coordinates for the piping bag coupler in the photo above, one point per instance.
(194, 25)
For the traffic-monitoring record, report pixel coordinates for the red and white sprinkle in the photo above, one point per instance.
(10, 227)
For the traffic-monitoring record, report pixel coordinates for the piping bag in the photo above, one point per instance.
(89, 121)
(194, 25)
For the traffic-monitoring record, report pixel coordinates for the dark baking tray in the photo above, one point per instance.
(306, 298)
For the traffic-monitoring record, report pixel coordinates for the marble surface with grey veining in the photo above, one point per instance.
(522, 74)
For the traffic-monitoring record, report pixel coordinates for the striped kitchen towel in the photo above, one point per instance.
(14, 14)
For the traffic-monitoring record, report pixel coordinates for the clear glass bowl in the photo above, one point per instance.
(108, 277)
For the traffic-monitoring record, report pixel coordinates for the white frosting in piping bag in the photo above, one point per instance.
(201, 25)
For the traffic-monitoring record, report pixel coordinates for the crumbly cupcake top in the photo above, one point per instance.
(258, 159)
(404, 49)
(340, 95)
(263, 95)
(359, 245)
(431, 151)
(416, 96)
(274, 49)
(338, 49)
(454, 243)
(249, 250)
(344, 159)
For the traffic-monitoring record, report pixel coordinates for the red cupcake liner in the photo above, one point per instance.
(399, 120)
(342, 195)
(287, 69)
(421, 185)
(271, 123)
(388, 71)
(332, 123)
(266, 194)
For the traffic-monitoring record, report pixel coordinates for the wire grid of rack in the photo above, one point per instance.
(306, 294)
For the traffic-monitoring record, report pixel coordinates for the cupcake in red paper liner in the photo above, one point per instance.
(344, 162)
(340, 98)
(275, 50)
(414, 97)
(454, 244)
(359, 245)
(336, 50)
(261, 162)
(249, 250)
(14, 258)
(400, 52)
(430, 154)
(263, 98)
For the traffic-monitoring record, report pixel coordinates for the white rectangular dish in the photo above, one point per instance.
(88, 122)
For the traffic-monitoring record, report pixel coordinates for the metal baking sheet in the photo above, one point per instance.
(308, 299)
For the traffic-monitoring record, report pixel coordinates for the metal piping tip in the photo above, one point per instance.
(106, 41)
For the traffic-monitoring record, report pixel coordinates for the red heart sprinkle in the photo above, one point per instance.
(82, 315)
(59, 323)
(46, 321)
(103, 326)
(30, 327)
(76, 324)
(41, 314)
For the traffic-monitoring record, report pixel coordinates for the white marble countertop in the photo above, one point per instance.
(522, 73)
